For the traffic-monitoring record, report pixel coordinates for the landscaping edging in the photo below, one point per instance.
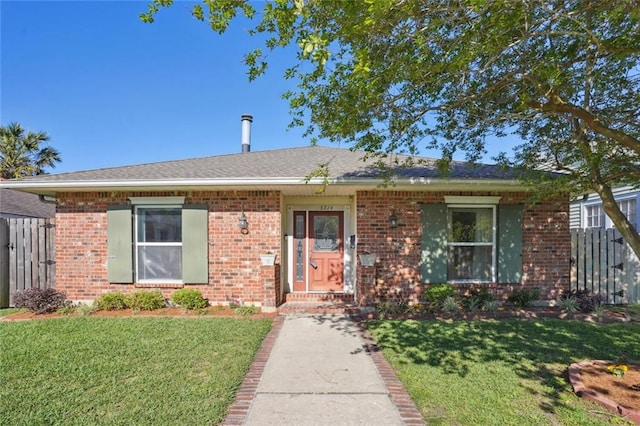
(592, 395)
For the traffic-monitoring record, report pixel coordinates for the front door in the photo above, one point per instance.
(319, 251)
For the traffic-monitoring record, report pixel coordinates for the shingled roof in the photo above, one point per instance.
(280, 166)
(20, 204)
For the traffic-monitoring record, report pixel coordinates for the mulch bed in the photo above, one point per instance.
(214, 311)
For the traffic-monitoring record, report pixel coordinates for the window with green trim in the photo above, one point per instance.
(158, 243)
(471, 244)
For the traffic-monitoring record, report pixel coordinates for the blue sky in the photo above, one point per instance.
(111, 90)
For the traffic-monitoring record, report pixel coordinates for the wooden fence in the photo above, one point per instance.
(602, 262)
(27, 256)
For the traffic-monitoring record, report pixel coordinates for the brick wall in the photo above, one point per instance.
(234, 263)
(545, 255)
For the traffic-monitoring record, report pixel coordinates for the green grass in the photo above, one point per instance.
(160, 371)
(507, 372)
(8, 311)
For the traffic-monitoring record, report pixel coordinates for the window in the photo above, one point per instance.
(594, 216)
(471, 244)
(158, 244)
(471, 239)
(628, 208)
(158, 240)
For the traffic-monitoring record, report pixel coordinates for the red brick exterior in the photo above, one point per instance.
(545, 254)
(235, 271)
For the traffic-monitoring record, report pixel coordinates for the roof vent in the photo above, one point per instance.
(247, 119)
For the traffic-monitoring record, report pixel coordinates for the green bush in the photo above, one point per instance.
(390, 308)
(568, 305)
(523, 297)
(490, 306)
(450, 305)
(245, 309)
(476, 299)
(585, 301)
(40, 300)
(189, 299)
(436, 294)
(67, 310)
(111, 302)
(144, 300)
(82, 309)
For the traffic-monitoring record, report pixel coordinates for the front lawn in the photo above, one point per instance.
(160, 371)
(507, 372)
(8, 311)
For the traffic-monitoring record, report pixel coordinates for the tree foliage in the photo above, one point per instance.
(21, 153)
(398, 76)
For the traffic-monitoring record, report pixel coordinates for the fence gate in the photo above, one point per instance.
(27, 256)
(602, 262)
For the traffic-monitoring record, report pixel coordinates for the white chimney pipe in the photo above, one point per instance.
(246, 132)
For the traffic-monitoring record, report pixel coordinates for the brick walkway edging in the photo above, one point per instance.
(407, 409)
(239, 409)
(246, 393)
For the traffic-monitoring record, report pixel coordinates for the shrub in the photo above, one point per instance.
(83, 309)
(245, 309)
(523, 297)
(471, 304)
(111, 301)
(67, 310)
(476, 299)
(435, 295)
(390, 308)
(189, 299)
(40, 300)
(568, 304)
(450, 305)
(586, 302)
(490, 306)
(145, 300)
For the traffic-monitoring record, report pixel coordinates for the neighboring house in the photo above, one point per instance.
(204, 223)
(587, 211)
(19, 204)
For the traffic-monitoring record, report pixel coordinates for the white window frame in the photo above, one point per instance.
(588, 223)
(630, 213)
(493, 244)
(146, 205)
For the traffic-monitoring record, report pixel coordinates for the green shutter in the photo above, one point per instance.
(195, 244)
(434, 243)
(509, 244)
(119, 244)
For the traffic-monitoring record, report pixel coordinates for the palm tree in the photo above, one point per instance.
(21, 155)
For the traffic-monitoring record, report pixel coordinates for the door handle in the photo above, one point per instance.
(313, 264)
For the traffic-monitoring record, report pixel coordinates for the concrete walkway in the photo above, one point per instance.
(321, 370)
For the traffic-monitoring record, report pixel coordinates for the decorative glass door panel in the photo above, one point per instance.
(326, 251)
(300, 258)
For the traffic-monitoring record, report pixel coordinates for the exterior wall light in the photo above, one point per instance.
(393, 220)
(243, 223)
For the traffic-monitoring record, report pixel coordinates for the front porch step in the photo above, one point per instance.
(319, 297)
(319, 303)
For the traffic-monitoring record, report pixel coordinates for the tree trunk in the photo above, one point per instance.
(611, 208)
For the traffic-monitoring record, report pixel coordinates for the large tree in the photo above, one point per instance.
(21, 153)
(393, 76)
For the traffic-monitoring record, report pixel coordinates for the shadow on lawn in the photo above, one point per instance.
(537, 350)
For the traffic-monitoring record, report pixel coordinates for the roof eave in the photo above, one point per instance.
(50, 188)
